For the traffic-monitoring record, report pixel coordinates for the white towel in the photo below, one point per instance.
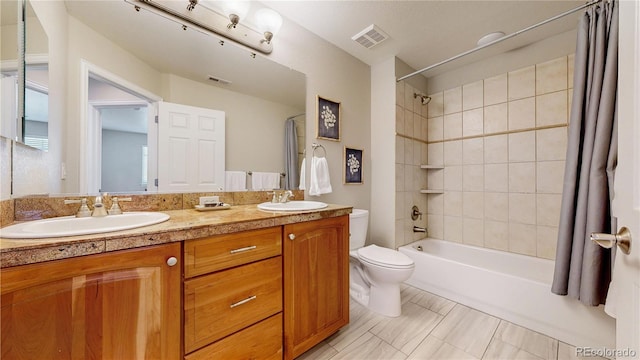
(265, 181)
(320, 181)
(235, 181)
(303, 175)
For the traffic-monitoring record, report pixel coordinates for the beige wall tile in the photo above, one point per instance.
(408, 122)
(453, 152)
(496, 206)
(453, 228)
(472, 122)
(452, 203)
(550, 177)
(417, 153)
(473, 151)
(551, 76)
(522, 177)
(400, 150)
(399, 177)
(424, 154)
(472, 95)
(435, 204)
(435, 154)
(496, 177)
(400, 93)
(399, 119)
(409, 183)
(551, 109)
(522, 208)
(473, 231)
(570, 62)
(547, 240)
(453, 100)
(453, 126)
(435, 128)
(495, 118)
(473, 204)
(496, 235)
(473, 177)
(435, 226)
(408, 96)
(522, 146)
(548, 209)
(453, 178)
(408, 152)
(496, 149)
(435, 179)
(522, 114)
(417, 127)
(495, 90)
(551, 144)
(400, 204)
(436, 105)
(522, 239)
(424, 130)
(522, 83)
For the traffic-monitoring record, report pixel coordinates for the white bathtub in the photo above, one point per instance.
(513, 287)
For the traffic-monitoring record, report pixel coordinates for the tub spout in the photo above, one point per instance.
(419, 229)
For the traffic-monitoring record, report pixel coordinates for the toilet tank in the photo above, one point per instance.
(358, 225)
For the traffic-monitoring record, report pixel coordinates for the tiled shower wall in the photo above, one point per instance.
(501, 142)
(411, 152)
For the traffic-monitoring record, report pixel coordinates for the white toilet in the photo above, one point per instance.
(375, 272)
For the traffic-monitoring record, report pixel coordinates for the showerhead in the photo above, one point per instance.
(424, 99)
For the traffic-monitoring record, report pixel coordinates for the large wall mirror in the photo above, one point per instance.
(159, 57)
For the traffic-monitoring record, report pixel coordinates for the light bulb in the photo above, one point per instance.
(235, 10)
(269, 22)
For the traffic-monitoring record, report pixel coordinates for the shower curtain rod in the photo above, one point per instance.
(506, 37)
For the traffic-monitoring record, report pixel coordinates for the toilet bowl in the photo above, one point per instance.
(375, 273)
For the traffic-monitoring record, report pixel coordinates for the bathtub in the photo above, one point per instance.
(513, 287)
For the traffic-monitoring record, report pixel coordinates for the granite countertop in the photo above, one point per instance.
(183, 225)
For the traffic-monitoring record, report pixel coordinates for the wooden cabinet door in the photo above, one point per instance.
(316, 282)
(119, 305)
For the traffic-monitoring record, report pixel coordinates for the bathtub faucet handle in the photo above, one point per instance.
(415, 213)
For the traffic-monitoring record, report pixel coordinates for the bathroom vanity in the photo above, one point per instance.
(239, 283)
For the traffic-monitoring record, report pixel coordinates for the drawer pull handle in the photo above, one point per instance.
(235, 251)
(243, 301)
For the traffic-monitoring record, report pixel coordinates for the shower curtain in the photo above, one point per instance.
(290, 155)
(582, 268)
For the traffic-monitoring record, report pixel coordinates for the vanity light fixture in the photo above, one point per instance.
(269, 22)
(206, 16)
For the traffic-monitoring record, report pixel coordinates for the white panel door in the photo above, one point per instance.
(626, 206)
(190, 148)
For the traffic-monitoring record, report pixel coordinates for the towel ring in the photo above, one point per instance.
(315, 146)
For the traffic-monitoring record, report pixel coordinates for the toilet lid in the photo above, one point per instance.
(384, 257)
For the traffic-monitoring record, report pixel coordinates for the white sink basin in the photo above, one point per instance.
(71, 225)
(297, 205)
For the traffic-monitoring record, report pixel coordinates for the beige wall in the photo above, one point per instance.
(502, 143)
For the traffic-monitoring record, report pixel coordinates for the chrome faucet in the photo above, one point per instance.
(285, 196)
(98, 207)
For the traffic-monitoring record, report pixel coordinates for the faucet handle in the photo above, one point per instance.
(115, 206)
(83, 211)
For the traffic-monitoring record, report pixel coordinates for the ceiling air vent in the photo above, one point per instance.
(370, 36)
(219, 80)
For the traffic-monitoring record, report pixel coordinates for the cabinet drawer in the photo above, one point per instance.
(222, 303)
(219, 252)
(260, 341)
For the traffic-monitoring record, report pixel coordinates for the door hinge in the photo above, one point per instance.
(156, 119)
(155, 182)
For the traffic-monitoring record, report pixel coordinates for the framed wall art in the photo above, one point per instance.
(328, 118)
(352, 166)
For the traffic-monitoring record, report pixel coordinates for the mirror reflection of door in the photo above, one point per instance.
(124, 148)
(36, 107)
(119, 138)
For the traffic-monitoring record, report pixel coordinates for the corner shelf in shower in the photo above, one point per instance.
(432, 167)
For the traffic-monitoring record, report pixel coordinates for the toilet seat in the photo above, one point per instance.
(384, 257)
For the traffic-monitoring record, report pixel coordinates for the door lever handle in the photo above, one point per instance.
(622, 238)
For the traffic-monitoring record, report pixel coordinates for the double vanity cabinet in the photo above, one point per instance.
(268, 292)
